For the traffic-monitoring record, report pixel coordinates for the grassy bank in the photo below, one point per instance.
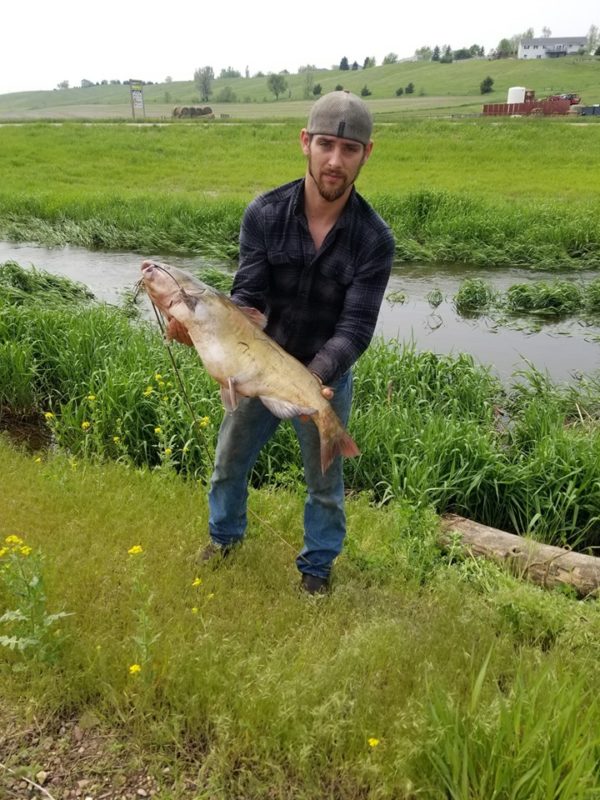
(509, 193)
(420, 676)
(437, 431)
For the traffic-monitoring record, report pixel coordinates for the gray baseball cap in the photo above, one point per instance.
(341, 114)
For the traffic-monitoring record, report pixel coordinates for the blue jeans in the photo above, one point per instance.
(241, 437)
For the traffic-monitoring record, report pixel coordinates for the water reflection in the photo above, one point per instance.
(419, 308)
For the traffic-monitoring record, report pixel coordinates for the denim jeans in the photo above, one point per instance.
(242, 435)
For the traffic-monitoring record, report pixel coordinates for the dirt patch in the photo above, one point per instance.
(73, 760)
(29, 431)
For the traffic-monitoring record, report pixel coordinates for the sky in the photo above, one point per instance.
(45, 42)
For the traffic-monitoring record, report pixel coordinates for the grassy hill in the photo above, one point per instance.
(439, 89)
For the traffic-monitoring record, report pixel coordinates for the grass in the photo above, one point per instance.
(438, 431)
(439, 88)
(183, 189)
(420, 676)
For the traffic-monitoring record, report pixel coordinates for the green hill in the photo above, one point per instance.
(438, 89)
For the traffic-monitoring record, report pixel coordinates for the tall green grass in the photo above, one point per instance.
(438, 431)
(183, 189)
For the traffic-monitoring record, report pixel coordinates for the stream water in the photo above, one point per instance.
(564, 349)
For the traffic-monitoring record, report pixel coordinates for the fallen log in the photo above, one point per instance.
(544, 564)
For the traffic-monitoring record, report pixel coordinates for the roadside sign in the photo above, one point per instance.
(136, 89)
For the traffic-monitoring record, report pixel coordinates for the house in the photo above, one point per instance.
(551, 47)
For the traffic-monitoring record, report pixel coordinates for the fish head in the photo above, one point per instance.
(176, 293)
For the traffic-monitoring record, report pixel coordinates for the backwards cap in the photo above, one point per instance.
(341, 114)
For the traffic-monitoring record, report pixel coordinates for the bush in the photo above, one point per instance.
(485, 87)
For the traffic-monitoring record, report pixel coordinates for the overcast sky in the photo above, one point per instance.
(46, 42)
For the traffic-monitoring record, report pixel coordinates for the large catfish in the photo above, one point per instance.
(244, 360)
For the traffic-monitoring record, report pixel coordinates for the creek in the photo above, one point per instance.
(564, 349)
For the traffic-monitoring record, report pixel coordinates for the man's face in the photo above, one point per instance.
(333, 163)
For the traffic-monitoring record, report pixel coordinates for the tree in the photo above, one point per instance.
(226, 95)
(168, 79)
(339, 88)
(203, 78)
(355, 66)
(344, 64)
(85, 84)
(546, 32)
(276, 84)
(462, 54)
(399, 92)
(309, 82)
(505, 49)
(435, 56)
(447, 58)
(410, 88)
(317, 89)
(485, 87)
(425, 53)
(593, 39)
(230, 72)
(62, 85)
(369, 62)
(365, 91)
(391, 58)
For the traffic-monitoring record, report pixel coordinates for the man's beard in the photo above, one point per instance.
(334, 193)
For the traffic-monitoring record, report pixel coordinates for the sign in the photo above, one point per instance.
(136, 89)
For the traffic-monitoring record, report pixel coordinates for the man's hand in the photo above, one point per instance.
(326, 391)
(176, 331)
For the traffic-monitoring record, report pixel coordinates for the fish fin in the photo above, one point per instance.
(255, 316)
(342, 445)
(229, 396)
(335, 440)
(285, 410)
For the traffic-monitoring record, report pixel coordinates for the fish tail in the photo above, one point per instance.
(335, 439)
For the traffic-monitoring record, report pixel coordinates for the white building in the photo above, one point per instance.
(551, 47)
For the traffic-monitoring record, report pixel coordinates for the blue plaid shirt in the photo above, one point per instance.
(322, 306)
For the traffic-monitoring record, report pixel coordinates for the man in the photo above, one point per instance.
(315, 259)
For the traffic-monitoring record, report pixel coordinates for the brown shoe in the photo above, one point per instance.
(213, 553)
(312, 584)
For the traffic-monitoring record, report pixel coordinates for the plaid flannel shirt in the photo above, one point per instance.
(322, 306)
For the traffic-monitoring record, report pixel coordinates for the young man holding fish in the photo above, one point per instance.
(315, 260)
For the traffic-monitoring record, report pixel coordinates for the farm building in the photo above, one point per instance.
(551, 47)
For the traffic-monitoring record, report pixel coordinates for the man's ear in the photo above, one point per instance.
(305, 141)
(367, 153)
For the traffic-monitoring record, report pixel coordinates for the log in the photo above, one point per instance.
(544, 564)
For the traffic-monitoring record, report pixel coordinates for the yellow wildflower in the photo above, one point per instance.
(161, 385)
(158, 429)
(134, 669)
(91, 397)
(13, 539)
(196, 581)
(203, 421)
(373, 742)
(135, 550)
(3, 551)
(148, 391)
(85, 425)
(168, 451)
(49, 415)
(157, 376)
(25, 550)
(210, 595)
(37, 460)
(116, 439)
(195, 610)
